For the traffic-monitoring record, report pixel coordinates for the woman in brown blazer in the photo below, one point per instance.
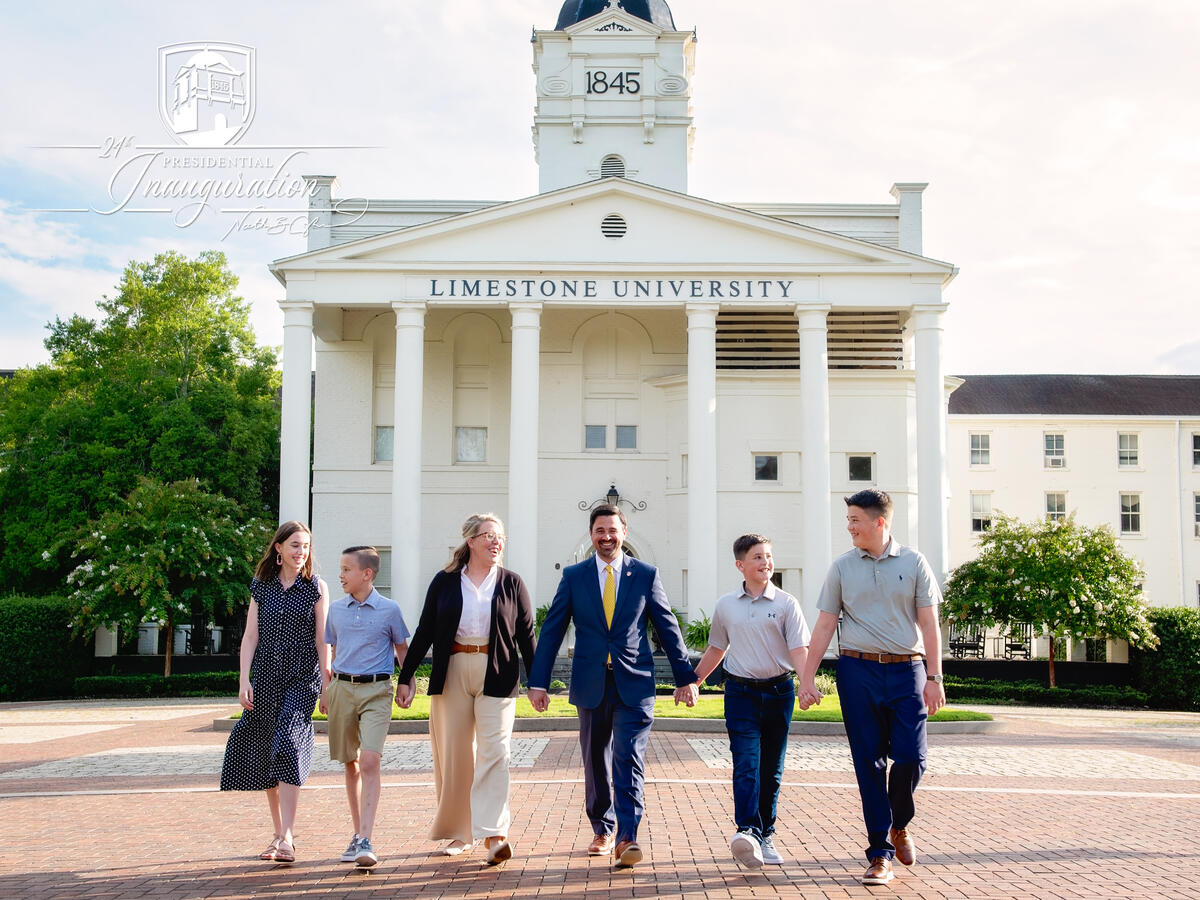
(477, 617)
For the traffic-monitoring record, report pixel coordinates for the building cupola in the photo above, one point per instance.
(614, 95)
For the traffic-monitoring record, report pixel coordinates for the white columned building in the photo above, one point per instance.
(295, 465)
(723, 368)
(816, 528)
(702, 553)
(524, 408)
(408, 399)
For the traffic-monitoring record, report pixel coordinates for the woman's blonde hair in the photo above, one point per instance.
(473, 526)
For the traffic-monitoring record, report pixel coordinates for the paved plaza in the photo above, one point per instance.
(118, 800)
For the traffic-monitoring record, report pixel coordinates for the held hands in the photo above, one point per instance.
(808, 695)
(246, 696)
(688, 694)
(539, 699)
(935, 696)
(405, 694)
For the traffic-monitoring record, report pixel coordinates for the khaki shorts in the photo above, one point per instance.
(359, 716)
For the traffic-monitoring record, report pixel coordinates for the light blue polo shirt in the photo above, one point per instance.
(363, 634)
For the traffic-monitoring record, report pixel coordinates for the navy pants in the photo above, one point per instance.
(613, 739)
(884, 711)
(757, 718)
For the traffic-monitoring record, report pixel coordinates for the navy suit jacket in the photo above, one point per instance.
(640, 596)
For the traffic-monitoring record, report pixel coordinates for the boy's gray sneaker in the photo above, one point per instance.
(746, 849)
(351, 852)
(365, 857)
(770, 855)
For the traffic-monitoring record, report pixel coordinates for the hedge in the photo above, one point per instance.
(220, 684)
(1170, 674)
(963, 690)
(40, 654)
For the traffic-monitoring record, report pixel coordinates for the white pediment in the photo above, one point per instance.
(614, 21)
(564, 230)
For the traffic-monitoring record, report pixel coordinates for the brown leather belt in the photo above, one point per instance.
(468, 648)
(883, 657)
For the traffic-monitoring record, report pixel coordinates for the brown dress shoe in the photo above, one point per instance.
(906, 850)
(879, 872)
(601, 844)
(627, 854)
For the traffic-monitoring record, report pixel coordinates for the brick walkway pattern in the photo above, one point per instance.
(108, 800)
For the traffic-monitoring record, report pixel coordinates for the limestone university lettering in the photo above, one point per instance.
(586, 288)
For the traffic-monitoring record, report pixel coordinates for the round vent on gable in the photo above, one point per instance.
(612, 167)
(613, 226)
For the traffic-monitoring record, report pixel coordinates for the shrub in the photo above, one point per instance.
(695, 633)
(1036, 693)
(206, 684)
(40, 654)
(1170, 674)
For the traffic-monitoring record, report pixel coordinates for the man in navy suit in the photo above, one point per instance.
(610, 597)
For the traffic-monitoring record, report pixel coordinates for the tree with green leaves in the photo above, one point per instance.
(1068, 579)
(167, 551)
(169, 384)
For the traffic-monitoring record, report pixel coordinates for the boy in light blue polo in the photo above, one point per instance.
(761, 634)
(368, 636)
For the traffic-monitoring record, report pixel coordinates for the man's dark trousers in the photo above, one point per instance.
(884, 713)
(614, 724)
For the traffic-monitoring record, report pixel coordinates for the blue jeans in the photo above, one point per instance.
(883, 707)
(757, 719)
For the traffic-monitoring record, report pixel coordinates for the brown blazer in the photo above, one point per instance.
(511, 630)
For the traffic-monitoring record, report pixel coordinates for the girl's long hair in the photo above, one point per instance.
(268, 568)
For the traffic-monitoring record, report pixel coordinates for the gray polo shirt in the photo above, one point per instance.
(756, 633)
(878, 598)
(363, 634)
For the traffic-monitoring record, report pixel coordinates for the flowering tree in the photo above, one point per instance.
(1068, 579)
(164, 551)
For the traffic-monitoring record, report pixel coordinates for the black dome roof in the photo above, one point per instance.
(655, 11)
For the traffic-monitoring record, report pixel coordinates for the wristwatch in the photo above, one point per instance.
(936, 679)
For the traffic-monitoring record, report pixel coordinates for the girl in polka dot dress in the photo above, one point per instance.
(271, 746)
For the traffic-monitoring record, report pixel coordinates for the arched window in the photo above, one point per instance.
(612, 166)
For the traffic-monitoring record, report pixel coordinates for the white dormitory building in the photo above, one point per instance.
(722, 367)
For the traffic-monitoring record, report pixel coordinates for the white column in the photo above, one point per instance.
(703, 583)
(406, 458)
(817, 522)
(521, 554)
(295, 426)
(932, 488)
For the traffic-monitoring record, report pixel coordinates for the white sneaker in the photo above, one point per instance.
(365, 857)
(351, 852)
(770, 855)
(746, 849)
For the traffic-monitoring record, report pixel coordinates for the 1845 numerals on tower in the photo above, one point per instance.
(600, 81)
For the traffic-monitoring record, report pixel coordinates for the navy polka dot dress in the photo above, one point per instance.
(274, 741)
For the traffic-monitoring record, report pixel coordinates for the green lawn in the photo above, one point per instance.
(710, 706)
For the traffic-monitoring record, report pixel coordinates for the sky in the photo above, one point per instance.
(1060, 140)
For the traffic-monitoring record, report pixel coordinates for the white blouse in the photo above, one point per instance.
(475, 623)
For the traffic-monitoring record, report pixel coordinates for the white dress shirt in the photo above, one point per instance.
(476, 619)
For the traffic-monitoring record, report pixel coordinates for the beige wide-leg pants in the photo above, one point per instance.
(471, 737)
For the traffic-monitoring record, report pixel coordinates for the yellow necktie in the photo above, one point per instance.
(610, 595)
(610, 598)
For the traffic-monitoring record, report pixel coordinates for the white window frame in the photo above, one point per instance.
(981, 449)
(590, 449)
(1056, 515)
(1128, 450)
(462, 434)
(981, 512)
(1196, 450)
(1196, 505)
(870, 457)
(1131, 512)
(1055, 457)
(620, 430)
(385, 437)
(754, 468)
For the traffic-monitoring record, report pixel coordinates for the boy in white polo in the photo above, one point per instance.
(761, 634)
(367, 633)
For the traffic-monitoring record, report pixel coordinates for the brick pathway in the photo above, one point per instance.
(117, 801)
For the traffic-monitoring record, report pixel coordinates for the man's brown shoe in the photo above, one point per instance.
(627, 854)
(601, 844)
(906, 850)
(879, 872)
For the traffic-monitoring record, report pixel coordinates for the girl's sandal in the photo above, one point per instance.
(285, 853)
(272, 849)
